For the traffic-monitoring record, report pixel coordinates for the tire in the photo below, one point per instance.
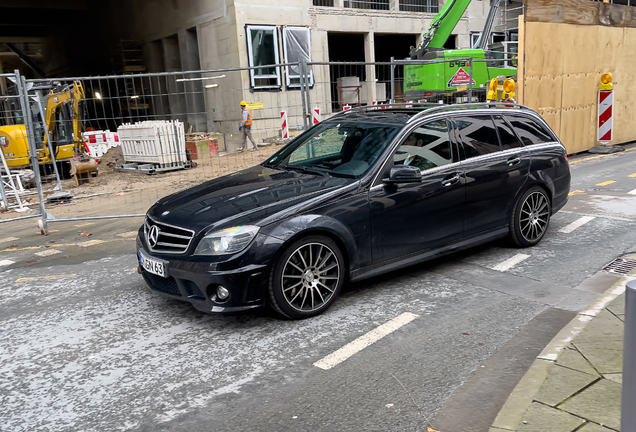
(307, 278)
(530, 218)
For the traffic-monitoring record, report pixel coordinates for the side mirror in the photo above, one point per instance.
(404, 174)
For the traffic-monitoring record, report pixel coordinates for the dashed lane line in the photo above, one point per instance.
(8, 239)
(48, 252)
(51, 277)
(632, 192)
(609, 182)
(509, 263)
(6, 263)
(576, 192)
(632, 175)
(364, 341)
(576, 224)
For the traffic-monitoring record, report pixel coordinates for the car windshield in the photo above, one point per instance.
(341, 149)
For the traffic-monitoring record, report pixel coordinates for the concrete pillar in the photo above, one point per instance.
(369, 57)
(172, 63)
(394, 5)
(153, 58)
(190, 61)
(338, 3)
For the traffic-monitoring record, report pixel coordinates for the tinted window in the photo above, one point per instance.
(529, 130)
(507, 137)
(478, 135)
(426, 147)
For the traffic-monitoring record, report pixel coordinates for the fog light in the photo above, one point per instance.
(222, 293)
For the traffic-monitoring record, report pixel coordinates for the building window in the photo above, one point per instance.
(262, 50)
(323, 3)
(368, 4)
(296, 47)
(419, 6)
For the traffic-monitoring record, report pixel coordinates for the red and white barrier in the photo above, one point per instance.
(316, 118)
(407, 104)
(99, 142)
(283, 125)
(605, 115)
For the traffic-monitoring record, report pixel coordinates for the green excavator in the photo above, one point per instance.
(449, 72)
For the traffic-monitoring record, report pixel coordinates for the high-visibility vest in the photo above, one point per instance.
(249, 118)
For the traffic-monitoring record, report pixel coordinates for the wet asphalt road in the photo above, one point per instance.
(86, 347)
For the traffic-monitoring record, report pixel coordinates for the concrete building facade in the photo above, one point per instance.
(219, 34)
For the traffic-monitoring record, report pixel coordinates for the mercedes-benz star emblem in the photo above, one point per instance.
(153, 236)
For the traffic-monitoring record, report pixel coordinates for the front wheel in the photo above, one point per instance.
(307, 278)
(530, 218)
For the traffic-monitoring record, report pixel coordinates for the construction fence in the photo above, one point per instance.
(158, 133)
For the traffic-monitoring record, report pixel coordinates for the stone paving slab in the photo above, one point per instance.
(572, 358)
(541, 418)
(606, 356)
(561, 384)
(604, 327)
(599, 403)
(593, 427)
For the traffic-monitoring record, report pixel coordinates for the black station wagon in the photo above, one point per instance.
(365, 192)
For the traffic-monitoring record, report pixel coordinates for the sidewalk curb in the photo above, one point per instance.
(511, 414)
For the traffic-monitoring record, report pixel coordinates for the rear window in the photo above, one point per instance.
(508, 138)
(478, 135)
(530, 131)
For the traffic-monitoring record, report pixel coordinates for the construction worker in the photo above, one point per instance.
(246, 125)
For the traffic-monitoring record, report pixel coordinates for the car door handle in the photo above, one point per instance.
(515, 160)
(449, 181)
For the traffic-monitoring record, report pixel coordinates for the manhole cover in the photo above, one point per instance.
(621, 265)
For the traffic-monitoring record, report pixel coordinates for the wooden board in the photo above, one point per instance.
(581, 12)
(562, 79)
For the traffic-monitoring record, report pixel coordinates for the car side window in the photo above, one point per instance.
(478, 135)
(529, 130)
(427, 147)
(506, 135)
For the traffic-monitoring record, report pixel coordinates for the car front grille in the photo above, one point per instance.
(166, 238)
(167, 285)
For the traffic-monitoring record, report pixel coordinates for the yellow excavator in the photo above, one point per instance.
(62, 116)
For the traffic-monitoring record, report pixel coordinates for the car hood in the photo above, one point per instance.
(242, 198)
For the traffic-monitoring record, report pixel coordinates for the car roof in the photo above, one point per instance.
(398, 114)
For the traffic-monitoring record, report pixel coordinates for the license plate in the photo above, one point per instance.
(153, 265)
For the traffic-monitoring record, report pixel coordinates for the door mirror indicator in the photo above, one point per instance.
(404, 174)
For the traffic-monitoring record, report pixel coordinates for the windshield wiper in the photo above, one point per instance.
(307, 170)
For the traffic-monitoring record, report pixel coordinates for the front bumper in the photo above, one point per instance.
(194, 281)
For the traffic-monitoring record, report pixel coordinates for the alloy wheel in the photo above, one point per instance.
(310, 277)
(534, 217)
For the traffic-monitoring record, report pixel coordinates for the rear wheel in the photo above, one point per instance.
(307, 278)
(530, 218)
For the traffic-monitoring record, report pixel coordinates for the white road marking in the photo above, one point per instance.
(8, 239)
(630, 192)
(508, 264)
(6, 263)
(90, 243)
(128, 234)
(576, 224)
(48, 252)
(364, 341)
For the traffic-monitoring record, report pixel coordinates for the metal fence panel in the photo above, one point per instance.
(158, 133)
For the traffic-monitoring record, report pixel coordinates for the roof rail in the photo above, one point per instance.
(433, 107)
(466, 105)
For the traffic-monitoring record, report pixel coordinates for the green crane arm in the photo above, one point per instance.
(442, 26)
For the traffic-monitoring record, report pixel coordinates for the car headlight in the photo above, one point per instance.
(227, 241)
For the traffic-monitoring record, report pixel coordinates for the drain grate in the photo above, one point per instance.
(621, 265)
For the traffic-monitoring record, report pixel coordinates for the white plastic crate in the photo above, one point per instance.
(153, 142)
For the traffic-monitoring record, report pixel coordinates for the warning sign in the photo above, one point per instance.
(461, 77)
